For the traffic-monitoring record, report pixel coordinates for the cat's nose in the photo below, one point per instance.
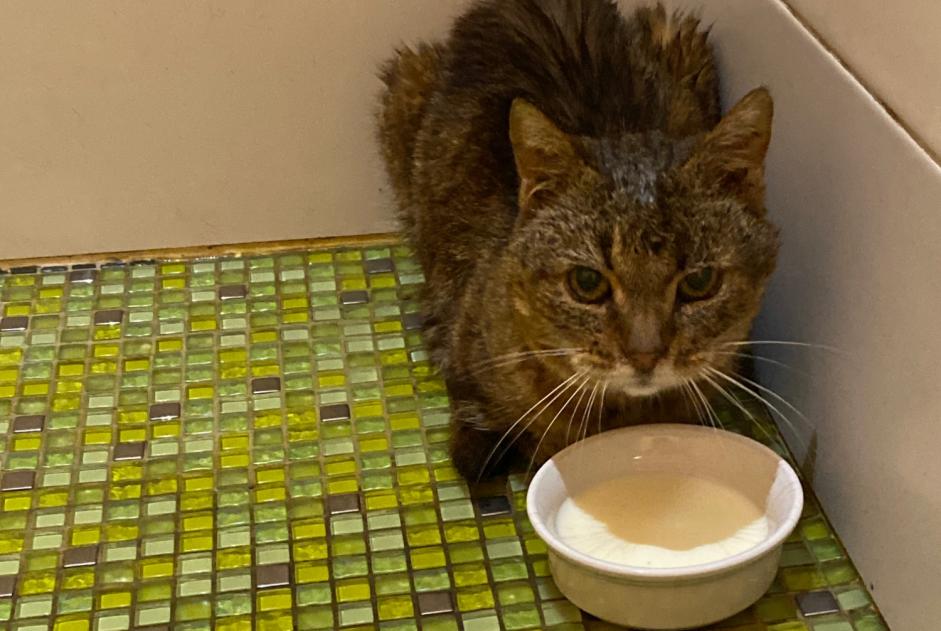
(644, 363)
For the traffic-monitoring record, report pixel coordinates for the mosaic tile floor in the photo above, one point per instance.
(259, 442)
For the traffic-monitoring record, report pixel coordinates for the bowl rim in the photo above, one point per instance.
(773, 540)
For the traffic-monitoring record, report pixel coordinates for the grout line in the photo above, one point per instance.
(933, 155)
(205, 251)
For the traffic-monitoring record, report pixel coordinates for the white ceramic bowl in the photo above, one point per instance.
(673, 598)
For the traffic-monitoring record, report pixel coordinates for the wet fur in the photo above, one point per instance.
(646, 192)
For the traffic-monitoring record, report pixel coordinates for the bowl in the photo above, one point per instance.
(678, 597)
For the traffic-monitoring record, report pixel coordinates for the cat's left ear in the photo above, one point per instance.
(731, 158)
(544, 154)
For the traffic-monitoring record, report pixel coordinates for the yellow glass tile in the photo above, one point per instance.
(53, 498)
(173, 283)
(86, 536)
(121, 532)
(234, 461)
(268, 419)
(395, 607)
(413, 495)
(78, 579)
(170, 345)
(132, 417)
(161, 487)
(169, 269)
(341, 467)
(380, 500)
(266, 370)
(21, 281)
(135, 365)
(98, 437)
(160, 567)
(124, 492)
(233, 371)
(295, 317)
(331, 379)
(320, 257)
(68, 387)
(126, 472)
(274, 600)
(234, 356)
(298, 435)
(413, 475)
(404, 421)
(311, 573)
(106, 350)
(11, 357)
(466, 575)
(10, 542)
(278, 622)
(243, 623)
(496, 528)
(199, 521)
(353, 284)
(9, 375)
(234, 442)
(306, 417)
(203, 324)
(382, 282)
(461, 531)
(424, 536)
(200, 392)
(231, 558)
(308, 530)
(338, 487)
(373, 444)
(7, 392)
(393, 326)
(199, 483)
(474, 599)
(155, 591)
(132, 435)
(17, 310)
(259, 337)
(196, 501)
(71, 623)
(114, 600)
(271, 494)
(35, 389)
(17, 502)
(49, 306)
(37, 583)
(446, 473)
(313, 550)
(104, 367)
(66, 403)
(426, 558)
(268, 476)
(27, 443)
(166, 430)
(393, 358)
(104, 333)
(367, 408)
(353, 590)
(197, 542)
(294, 303)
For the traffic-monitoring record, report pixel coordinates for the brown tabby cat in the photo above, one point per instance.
(591, 232)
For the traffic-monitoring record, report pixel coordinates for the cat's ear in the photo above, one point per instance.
(731, 157)
(545, 157)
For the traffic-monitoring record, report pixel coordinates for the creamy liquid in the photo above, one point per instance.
(661, 520)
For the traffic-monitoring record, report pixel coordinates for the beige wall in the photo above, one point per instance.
(138, 124)
(894, 47)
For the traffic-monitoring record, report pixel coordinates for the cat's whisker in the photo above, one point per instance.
(772, 437)
(604, 390)
(588, 406)
(571, 420)
(778, 397)
(532, 460)
(757, 395)
(761, 358)
(691, 397)
(557, 391)
(824, 347)
(710, 412)
(510, 358)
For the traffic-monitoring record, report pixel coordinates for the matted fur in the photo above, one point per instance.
(544, 134)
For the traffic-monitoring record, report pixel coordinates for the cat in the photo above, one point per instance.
(593, 234)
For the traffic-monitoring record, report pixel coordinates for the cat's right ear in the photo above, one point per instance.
(545, 157)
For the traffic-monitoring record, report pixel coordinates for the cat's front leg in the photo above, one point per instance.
(476, 451)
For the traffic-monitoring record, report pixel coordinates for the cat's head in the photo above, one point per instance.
(644, 257)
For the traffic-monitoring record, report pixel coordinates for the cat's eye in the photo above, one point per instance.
(588, 285)
(700, 285)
